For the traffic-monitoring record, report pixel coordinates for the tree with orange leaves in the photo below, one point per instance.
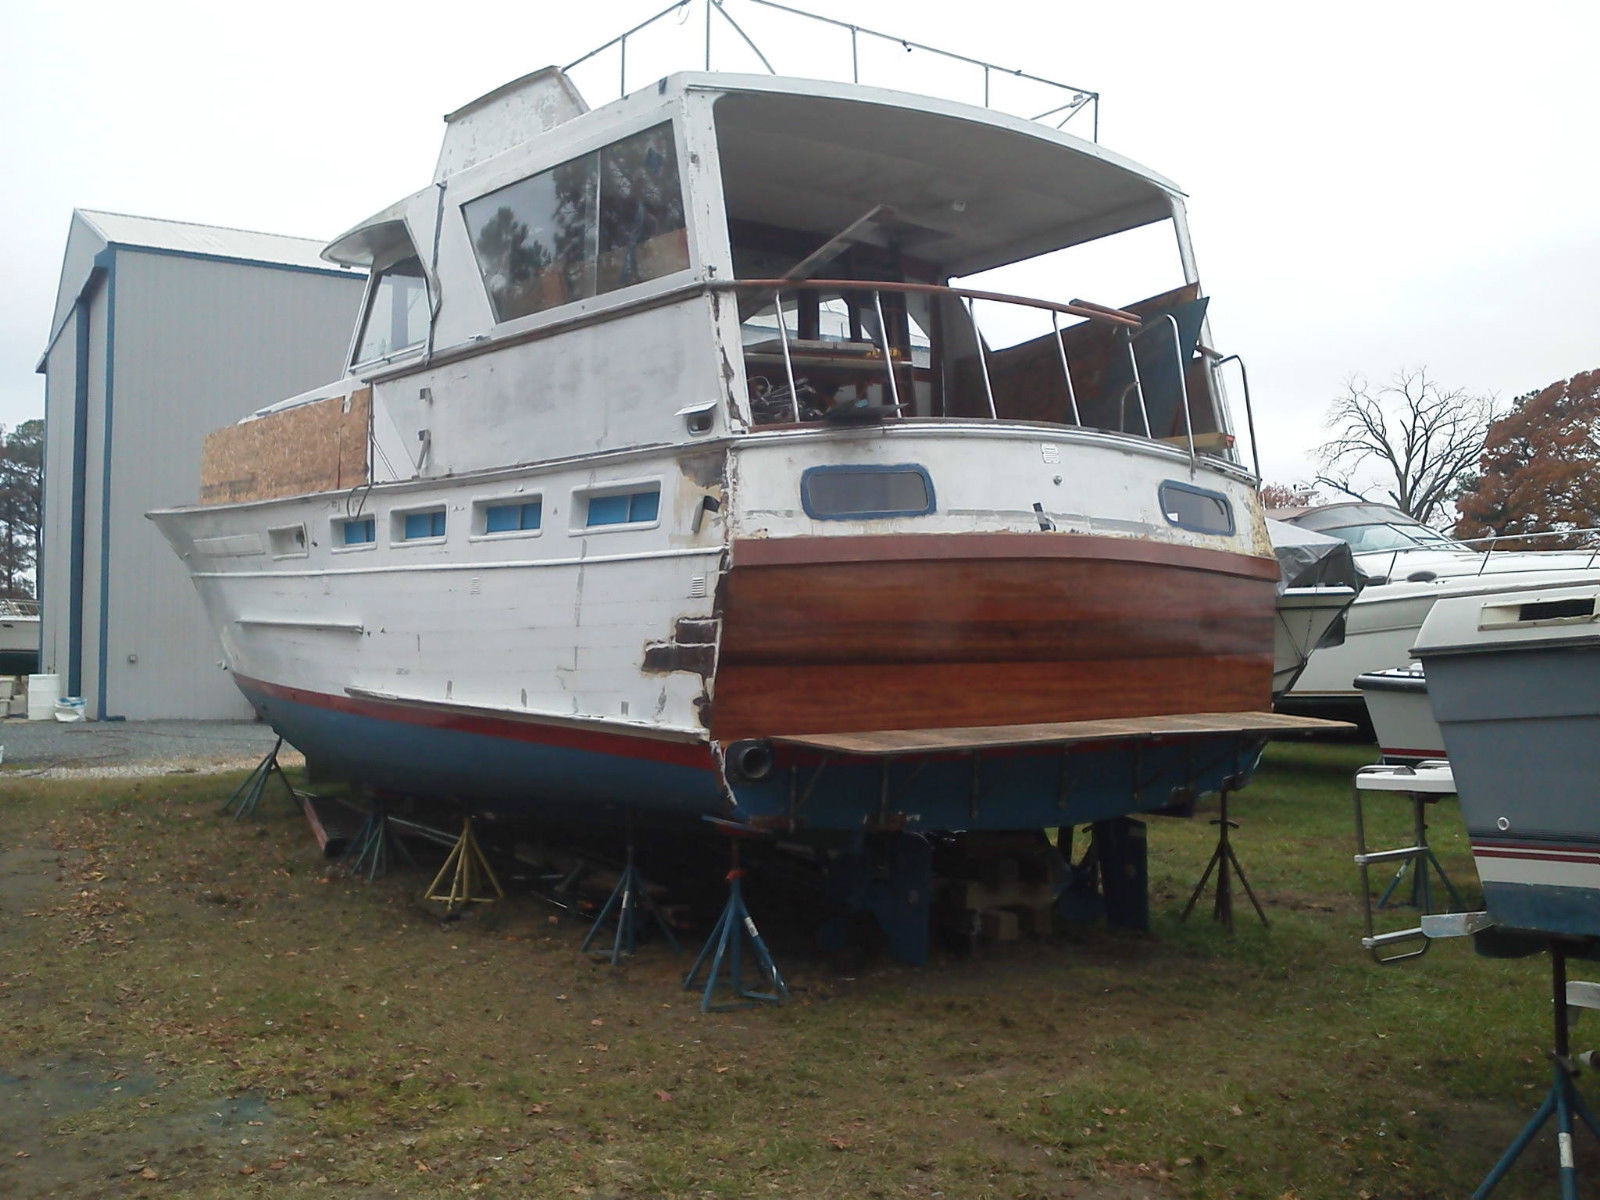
(1540, 470)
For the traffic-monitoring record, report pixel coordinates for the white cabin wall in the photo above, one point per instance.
(611, 384)
(709, 243)
(199, 344)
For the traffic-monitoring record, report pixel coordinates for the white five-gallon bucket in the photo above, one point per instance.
(43, 692)
(69, 709)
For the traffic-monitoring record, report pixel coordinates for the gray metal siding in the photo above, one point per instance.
(199, 344)
(83, 243)
(94, 443)
(60, 391)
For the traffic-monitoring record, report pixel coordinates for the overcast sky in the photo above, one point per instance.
(1372, 185)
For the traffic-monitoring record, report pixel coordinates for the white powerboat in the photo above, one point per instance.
(1408, 568)
(673, 470)
(19, 636)
(1515, 683)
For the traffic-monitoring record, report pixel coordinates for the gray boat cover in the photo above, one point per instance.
(1310, 559)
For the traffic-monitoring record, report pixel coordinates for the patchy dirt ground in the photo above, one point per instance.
(198, 1007)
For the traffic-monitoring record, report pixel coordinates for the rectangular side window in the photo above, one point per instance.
(623, 508)
(419, 525)
(513, 518)
(361, 531)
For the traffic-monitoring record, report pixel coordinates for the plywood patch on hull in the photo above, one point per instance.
(316, 447)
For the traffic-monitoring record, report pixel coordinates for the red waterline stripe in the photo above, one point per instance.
(1571, 856)
(678, 754)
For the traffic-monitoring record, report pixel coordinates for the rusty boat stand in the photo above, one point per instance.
(467, 869)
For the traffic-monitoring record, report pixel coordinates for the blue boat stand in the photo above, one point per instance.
(247, 795)
(1226, 864)
(630, 894)
(1562, 1100)
(724, 949)
(375, 845)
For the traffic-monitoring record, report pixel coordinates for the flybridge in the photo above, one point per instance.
(722, 42)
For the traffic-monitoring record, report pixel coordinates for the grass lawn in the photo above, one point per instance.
(195, 1007)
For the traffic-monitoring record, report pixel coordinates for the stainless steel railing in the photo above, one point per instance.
(1127, 331)
(1066, 101)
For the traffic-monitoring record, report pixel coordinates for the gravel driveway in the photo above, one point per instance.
(111, 749)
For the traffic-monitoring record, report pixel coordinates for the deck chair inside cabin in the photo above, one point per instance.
(1160, 371)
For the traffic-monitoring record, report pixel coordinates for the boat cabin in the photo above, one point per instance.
(731, 253)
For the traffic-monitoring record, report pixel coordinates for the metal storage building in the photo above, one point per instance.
(162, 332)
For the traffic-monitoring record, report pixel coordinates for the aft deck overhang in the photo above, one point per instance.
(972, 188)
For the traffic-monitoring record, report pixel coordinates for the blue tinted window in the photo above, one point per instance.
(644, 506)
(424, 525)
(509, 518)
(625, 508)
(359, 532)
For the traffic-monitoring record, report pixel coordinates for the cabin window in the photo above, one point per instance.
(358, 531)
(605, 221)
(856, 493)
(523, 516)
(635, 507)
(417, 526)
(1196, 509)
(397, 312)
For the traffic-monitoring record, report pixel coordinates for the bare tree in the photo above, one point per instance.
(1289, 495)
(1421, 440)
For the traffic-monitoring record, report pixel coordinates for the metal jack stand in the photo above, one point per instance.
(724, 944)
(374, 846)
(466, 866)
(1226, 864)
(626, 899)
(247, 795)
(1562, 1099)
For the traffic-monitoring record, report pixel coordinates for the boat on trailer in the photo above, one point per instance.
(680, 467)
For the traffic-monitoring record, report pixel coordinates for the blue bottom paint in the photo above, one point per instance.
(495, 775)
(513, 778)
(1008, 790)
(1545, 909)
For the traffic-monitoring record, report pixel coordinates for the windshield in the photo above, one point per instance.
(398, 315)
(1365, 539)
